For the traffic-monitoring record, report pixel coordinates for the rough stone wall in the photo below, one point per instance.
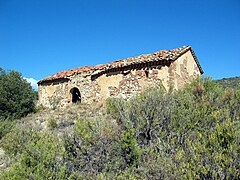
(58, 93)
(185, 70)
(124, 83)
(53, 94)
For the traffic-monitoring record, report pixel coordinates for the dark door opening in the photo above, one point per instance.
(146, 74)
(76, 96)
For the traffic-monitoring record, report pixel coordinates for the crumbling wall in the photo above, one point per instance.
(122, 83)
(125, 84)
(185, 70)
(53, 94)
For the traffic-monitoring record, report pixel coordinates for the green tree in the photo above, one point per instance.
(17, 98)
(16, 95)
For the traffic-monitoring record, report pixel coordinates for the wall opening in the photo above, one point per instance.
(76, 96)
(146, 74)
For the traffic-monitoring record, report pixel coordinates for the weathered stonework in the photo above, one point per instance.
(121, 78)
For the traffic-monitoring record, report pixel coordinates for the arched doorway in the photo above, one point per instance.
(76, 96)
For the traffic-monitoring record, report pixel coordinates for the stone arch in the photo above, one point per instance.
(76, 95)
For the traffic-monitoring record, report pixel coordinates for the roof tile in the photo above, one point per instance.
(157, 56)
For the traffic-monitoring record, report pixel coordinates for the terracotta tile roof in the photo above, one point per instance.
(167, 55)
(67, 73)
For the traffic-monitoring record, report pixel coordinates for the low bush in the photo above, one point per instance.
(193, 133)
(52, 124)
(15, 142)
(41, 158)
(5, 126)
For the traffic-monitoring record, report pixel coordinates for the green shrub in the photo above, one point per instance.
(130, 149)
(193, 133)
(114, 108)
(5, 126)
(83, 149)
(15, 142)
(52, 124)
(41, 159)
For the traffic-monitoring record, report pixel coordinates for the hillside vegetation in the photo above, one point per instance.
(193, 133)
(17, 99)
(233, 82)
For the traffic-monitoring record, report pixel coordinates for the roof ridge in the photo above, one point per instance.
(169, 55)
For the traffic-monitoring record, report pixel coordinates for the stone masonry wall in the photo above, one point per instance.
(123, 84)
(185, 70)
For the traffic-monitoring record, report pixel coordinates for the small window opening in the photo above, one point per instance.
(76, 96)
(146, 74)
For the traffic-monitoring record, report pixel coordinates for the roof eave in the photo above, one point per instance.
(41, 82)
(196, 60)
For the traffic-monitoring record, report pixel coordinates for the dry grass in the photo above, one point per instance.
(65, 118)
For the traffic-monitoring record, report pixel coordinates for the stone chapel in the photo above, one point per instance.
(121, 78)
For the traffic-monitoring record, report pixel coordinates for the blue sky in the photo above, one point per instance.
(41, 37)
